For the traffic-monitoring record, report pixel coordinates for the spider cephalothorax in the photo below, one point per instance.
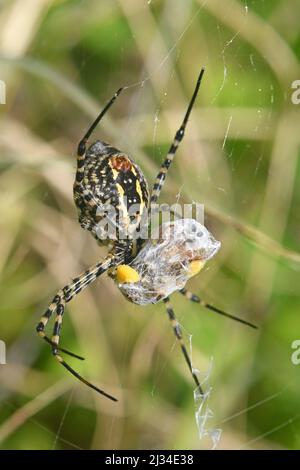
(111, 195)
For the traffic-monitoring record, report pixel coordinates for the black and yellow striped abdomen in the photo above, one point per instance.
(110, 193)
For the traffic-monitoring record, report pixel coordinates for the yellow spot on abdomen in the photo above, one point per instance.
(126, 274)
(195, 267)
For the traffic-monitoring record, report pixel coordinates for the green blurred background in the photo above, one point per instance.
(61, 60)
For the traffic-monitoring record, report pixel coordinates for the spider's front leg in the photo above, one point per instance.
(58, 304)
(160, 179)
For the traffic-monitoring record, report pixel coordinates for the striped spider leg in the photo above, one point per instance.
(195, 298)
(66, 294)
(178, 335)
(160, 179)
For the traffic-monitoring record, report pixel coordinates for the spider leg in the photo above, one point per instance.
(159, 181)
(82, 144)
(44, 320)
(58, 304)
(194, 298)
(178, 334)
(55, 351)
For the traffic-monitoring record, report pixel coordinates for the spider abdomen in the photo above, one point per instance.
(111, 194)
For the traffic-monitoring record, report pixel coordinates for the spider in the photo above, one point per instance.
(146, 271)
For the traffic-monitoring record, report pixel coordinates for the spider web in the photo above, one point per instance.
(205, 410)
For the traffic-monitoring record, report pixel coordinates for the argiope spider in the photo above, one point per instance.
(145, 271)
